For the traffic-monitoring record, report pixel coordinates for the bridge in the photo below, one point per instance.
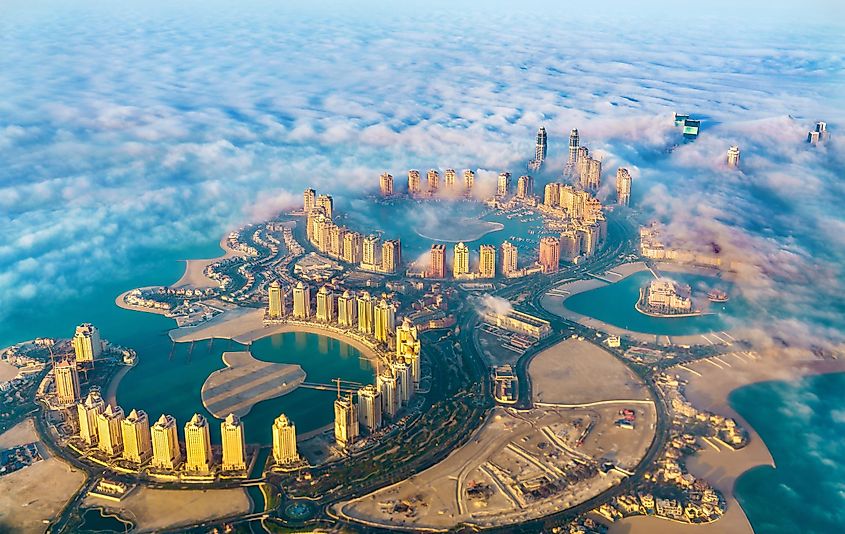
(351, 388)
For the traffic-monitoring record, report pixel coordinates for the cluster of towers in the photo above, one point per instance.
(87, 346)
(461, 269)
(362, 311)
(394, 388)
(370, 252)
(818, 134)
(132, 439)
(432, 185)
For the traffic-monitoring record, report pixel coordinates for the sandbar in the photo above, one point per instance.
(155, 509)
(245, 382)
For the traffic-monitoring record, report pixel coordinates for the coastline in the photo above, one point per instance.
(120, 302)
(710, 384)
(195, 278)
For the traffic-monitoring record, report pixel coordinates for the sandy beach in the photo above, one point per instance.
(7, 371)
(195, 278)
(121, 303)
(710, 383)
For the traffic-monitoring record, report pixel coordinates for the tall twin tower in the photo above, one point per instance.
(541, 148)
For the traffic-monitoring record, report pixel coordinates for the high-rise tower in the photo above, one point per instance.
(109, 435)
(284, 441)
(309, 200)
(573, 151)
(276, 301)
(540, 146)
(234, 445)
(623, 186)
(733, 157)
(86, 342)
(509, 258)
(549, 254)
(137, 441)
(88, 410)
(414, 186)
(301, 301)
(437, 265)
(487, 261)
(460, 264)
(66, 378)
(433, 178)
(198, 445)
(166, 451)
(386, 184)
(345, 421)
(369, 407)
(503, 187)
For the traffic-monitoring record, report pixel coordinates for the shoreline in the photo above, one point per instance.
(194, 276)
(709, 387)
(556, 304)
(120, 302)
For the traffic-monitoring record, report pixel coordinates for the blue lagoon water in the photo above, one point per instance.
(803, 425)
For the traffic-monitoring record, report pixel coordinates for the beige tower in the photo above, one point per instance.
(408, 348)
(414, 186)
(503, 187)
(327, 203)
(67, 382)
(385, 320)
(623, 186)
(509, 258)
(345, 421)
(86, 343)
(276, 298)
(88, 410)
(346, 310)
(198, 457)
(487, 262)
(550, 254)
(404, 381)
(460, 263)
(301, 301)
(284, 441)
(437, 263)
(524, 187)
(234, 445)
(449, 178)
(433, 178)
(387, 387)
(166, 451)
(137, 441)
(386, 184)
(366, 313)
(371, 257)
(733, 157)
(353, 244)
(391, 256)
(551, 195)
(326, 309)
(369, 408)
(309, 200)
(469, 181)
(109, 435)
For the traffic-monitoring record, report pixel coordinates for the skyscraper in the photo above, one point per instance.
(387, 387)
(385, 320)
(503, 187)
(198, 456)
(301, 301)
(369, 407)
(437, 266)
(166, 451)
(366, 313)
(551, 195)
(433, 178)
(391, 256)
(733, 157)
(109, 435)
(284, 441)
(309, 200)
(460, 264)
(573, 151)
(353, 244)
(326, 311)
(345, 421)
(67, 382)
(487, 262)
(386, 184)
(540, 146)
(86, 343)
(570, 244)
(408, 348)
(414, 186)
(524, 187)
(404, 381)
(469, 180)
(327, 203)
(623, 186)
(549, 254)
(589, 171)
(449, 176)
(276, 298)
(372, 252)
(234, 445)
(88, 410)
(137, 441)
(509, 258)
(346, 310)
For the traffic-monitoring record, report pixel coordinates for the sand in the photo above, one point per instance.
(708, 388)
(36, 493)
(7, 371)
(194, 276)
(578, 372)
(154, 509)
(121, 303)
(245, 382)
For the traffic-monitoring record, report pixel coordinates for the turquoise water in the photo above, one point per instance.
(803, 425)
(614, 304)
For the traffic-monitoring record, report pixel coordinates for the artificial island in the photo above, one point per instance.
(434, 377)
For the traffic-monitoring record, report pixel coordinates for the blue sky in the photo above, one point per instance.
(145, 125)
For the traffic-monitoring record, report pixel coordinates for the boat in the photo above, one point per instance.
(717, 295)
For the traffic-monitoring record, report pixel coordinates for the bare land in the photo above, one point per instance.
(7, 371)
(37, 493)
(575, 372)
(245, 382)
(154, 509)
